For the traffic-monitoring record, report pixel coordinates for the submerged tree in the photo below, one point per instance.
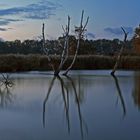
(80, 35)
(65, 51)
(121, 51)
(5, 95)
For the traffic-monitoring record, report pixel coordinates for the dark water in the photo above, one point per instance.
(86, 105)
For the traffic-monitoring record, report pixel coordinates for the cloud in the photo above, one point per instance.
(118, 31)
(5, 21)
(41, 10)
(90, 35)
(3, 29)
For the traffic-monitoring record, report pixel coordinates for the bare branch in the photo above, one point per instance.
(45, 50)
(64, 55)
(85, 24)
(63, 29)
(125, 34)
(43, 40)
(6, 80)
(121, 51)
(80, 30)
(81, 24)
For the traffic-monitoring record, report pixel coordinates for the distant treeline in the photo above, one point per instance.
(87, 47)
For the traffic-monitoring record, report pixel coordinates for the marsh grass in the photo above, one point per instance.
(15, 63)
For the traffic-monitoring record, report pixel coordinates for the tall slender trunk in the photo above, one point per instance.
(120, 53)
(64, 55)
(80, 30)
(45, 50)
(74, 59)
(117, 61)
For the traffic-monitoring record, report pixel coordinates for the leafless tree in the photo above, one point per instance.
(65, 52)
(121, 51)
(5, 95)
(80, 33)
(45, 49)
(6, 80)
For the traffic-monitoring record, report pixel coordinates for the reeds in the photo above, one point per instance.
(16, 63)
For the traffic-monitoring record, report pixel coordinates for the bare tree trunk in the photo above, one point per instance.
(80, 30)
(121, 51)
(45, 50)
(74, 59)
(64, 55)
(117, 62)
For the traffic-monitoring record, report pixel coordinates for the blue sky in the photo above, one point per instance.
(22, 19)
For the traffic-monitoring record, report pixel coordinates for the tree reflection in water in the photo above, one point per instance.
(5, 85)
(136, 92)
(120, 94)
(65, 88)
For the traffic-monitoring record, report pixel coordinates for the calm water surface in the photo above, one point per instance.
(86, 105)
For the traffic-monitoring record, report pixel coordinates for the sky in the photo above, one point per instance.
(22, 19)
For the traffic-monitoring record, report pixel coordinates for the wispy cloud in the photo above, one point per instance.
(6, 21)
(118, 31)
(41, 10)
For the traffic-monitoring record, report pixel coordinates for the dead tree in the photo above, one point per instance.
(121, 51)
(6, 80)
(80, 33)
(45, 49)
(5, 95)
(65, 51)
(64, 55)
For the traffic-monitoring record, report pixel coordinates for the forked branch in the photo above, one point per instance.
(80, 32)
(65, 52)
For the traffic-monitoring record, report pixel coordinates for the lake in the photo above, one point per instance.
(85, 105)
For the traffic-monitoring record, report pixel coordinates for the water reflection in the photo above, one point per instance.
(65, 88)
(136, 92)
(47, 97)
(5, 86)
(120, 94)
(61, 104)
